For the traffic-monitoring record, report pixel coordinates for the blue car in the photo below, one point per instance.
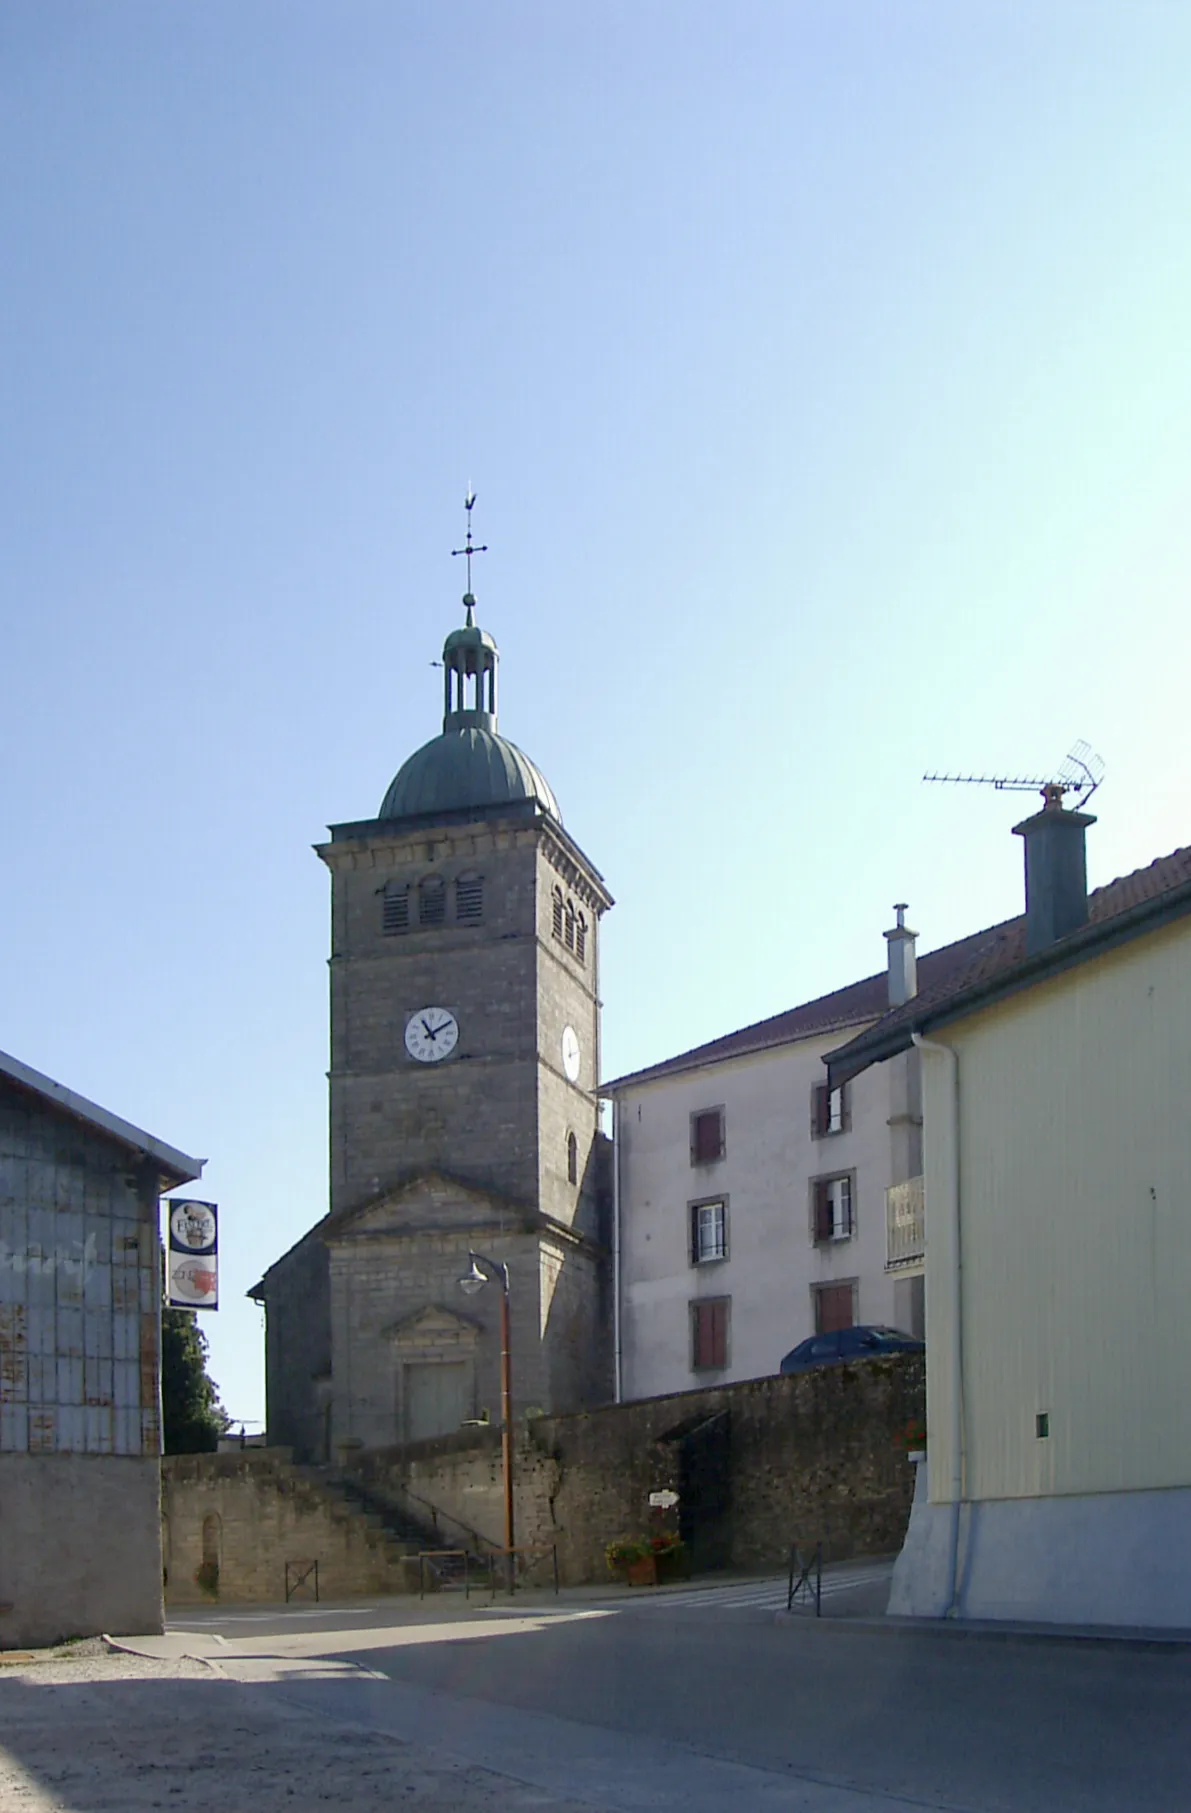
(861, 1343)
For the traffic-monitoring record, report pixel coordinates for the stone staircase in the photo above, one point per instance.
(404, 1535)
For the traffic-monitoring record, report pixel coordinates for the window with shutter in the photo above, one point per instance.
(568, 937)
(831, 1209)
(709, 1332)
(581, 938)
(572, 1159)
(709, 1231)
(469, 899)
(835, 1306)
(830, 1111)
(556, 912)
(707, 1136)
(395, 907)
(432, 900)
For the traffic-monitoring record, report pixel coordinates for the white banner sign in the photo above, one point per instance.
(192, 1255)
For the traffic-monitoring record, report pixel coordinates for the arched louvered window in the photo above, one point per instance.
(556, 911)
(394, 912)
(432, 900)
(581, 938)
(469, 899)
(572, 1159)
(568, 936)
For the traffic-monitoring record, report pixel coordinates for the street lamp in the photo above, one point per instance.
(482, 1271)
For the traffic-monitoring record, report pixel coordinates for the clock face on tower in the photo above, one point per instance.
(431, 1033)
(570, 1053)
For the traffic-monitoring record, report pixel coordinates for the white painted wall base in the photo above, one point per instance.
(1107, 1558)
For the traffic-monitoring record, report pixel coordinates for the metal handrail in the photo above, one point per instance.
(806, 1578)
(510, 1558)
(436, 1512)
(425, 1555)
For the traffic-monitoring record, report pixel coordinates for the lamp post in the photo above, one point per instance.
(483, 1270)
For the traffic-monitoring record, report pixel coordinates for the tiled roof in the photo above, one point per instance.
(856, 1005)
(1004, 952)
(952, 969)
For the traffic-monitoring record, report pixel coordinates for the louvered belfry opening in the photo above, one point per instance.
(432, 900)
(469, 899)
(395, 908)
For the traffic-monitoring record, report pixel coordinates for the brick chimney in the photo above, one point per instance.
(903, 961)
(1056, 871)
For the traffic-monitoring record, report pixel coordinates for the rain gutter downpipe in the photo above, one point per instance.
(616, 1358)
(955, 1290)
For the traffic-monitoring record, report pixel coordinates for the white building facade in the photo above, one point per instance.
(1058, 1177)
(753, 1207)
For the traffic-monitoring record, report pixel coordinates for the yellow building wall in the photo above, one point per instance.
(1075, 1140)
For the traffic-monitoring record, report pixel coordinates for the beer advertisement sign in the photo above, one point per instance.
(192, 1255)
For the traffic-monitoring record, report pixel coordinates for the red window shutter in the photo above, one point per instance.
(820, 1110)
(833, 1308)
(719, 1333)
(824, 1225)
(707, 1142)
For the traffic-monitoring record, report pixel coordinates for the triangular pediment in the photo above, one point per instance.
(430, 1202)
(433, 1326)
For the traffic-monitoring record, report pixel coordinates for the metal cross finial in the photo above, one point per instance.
(469, 548)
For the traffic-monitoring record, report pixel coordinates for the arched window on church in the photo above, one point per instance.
(394, 912)
(581, 938)
(469, 899)
(432, 900)
(568, 936)
(572, 1159)
(556, 911)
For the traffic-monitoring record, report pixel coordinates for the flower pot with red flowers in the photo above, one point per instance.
(631, 1559)
(913, 1439)
(670, 1556)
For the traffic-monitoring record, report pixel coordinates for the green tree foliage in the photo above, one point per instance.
(192, 1415)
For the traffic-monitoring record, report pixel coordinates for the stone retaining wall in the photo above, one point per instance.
(814, 1457)
(250, 1513)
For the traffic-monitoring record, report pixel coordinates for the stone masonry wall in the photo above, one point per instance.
(815, 1457)
(812, 1457)
(251, 1513)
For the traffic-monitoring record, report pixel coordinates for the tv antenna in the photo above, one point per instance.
(1080, 774)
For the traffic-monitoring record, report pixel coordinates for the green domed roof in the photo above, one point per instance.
(466, 767)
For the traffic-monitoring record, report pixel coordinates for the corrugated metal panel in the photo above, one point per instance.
(1076, 1144)
(79, 1293)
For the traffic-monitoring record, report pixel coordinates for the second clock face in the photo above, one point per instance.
(431, 1033)
(571, 1055)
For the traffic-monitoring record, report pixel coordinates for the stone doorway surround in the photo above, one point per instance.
(433, 1340)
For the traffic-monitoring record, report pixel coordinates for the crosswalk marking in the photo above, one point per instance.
(762, 1595)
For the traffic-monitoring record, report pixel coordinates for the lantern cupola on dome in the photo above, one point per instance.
(470, 766)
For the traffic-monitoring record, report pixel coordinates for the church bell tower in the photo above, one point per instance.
(465, 1029)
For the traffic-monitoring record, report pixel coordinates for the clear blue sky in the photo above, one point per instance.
(824, 373)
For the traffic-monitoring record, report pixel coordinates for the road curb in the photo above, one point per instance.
(973, 1630)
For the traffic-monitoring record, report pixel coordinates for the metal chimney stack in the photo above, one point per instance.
(903, 960)
(1056, 871)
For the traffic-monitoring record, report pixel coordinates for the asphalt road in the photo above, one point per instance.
(713, 1704)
